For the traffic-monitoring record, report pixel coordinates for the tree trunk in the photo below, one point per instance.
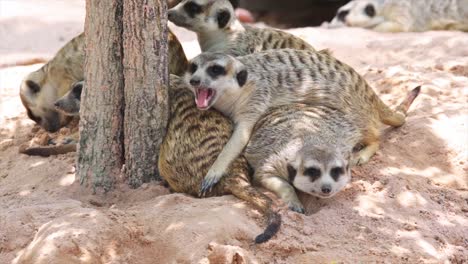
(101, 151)
(124, 106)
(146, 82)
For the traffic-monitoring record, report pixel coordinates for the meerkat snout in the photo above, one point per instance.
(213, 76)
(319, 172)
(69, 104)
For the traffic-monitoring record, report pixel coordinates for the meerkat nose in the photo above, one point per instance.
(195, 82)
(342, 15)
(170, 15)
(326, 189)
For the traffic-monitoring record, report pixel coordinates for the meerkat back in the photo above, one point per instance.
(218, 29)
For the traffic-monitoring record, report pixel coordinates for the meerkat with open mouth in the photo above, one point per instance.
(243, 89)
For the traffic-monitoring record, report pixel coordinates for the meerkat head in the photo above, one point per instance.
(203, 15)
(69, 104)
(319, 171)
(212, 76)
(361, 13)
(38, 93)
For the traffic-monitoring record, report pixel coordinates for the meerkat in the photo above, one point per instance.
(404, 16)
(42, 88)
(243, 88)
(309, 148)
(68, 105)
(218, 29)
(198, 137)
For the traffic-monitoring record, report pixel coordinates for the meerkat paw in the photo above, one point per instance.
(364, 155)
(211, 178)
(296, 206)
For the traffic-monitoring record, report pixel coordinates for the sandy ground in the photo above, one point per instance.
(408, 205)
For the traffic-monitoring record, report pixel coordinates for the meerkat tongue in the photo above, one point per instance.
(203, 97)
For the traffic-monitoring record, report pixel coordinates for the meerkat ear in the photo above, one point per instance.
(242, 77)
(234, 3)
(223, 18)
(291, 172)
(77, 88)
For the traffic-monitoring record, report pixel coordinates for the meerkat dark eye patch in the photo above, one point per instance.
(336, 172)
(291, 172)
(34, 87)
(193, 68)
(216, 71)
(223, 18)
(313, 172)
(242, 77)
(370, 10)
(192, 9)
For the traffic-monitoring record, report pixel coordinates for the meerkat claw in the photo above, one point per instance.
(297, 208)
(207, 185)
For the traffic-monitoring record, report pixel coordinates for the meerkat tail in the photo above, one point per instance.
(405, 105)
(396, 117)
(47, 151)
(263, 203)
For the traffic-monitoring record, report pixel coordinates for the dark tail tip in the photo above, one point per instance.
(274, 224)
(409, 99)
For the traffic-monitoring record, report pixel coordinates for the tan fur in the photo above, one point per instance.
(247, 86)
(42, 88)
(193, 141)
(57, 103)
(289, 139)
(233, 37)
(404, 16)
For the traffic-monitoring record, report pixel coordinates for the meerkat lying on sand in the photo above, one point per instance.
(244, 88)
(42, 88)
(309, 148)
(404, 16)
(193, 141)
(51, 104)
(218, 29)
(68, 105)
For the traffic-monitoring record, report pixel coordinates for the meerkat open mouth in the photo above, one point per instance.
(204, 97)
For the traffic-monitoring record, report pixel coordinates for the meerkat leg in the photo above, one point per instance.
(231, 151)
(284, 190)
(370, 145)
(389, 26)
(364, 155)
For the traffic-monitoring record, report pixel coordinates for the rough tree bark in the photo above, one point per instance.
(146, 81)
(124, 108)
(101, 151)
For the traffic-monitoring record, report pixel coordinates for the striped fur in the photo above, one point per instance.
(193, 140)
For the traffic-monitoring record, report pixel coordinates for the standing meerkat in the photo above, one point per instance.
(218, 29)
(404, 16)
(243, 88)
(309, 148)
(198, 137)
(42, 88)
